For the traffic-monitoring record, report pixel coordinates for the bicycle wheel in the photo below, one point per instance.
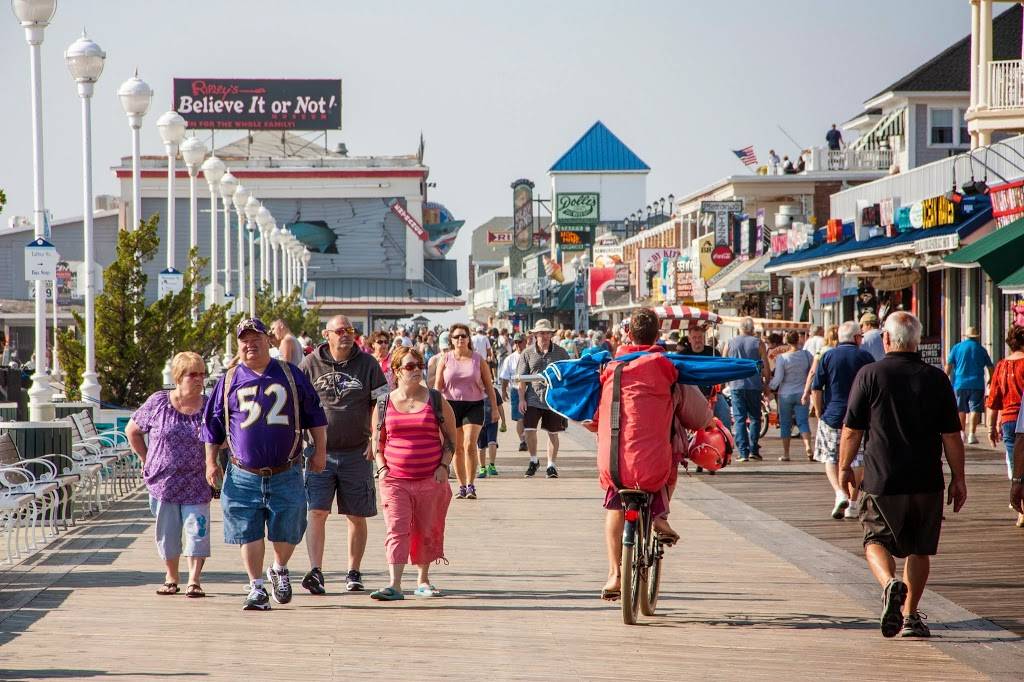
(765, 411)
(652, 586)
(631, 570)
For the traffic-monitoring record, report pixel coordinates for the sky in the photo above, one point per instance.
(498, 90)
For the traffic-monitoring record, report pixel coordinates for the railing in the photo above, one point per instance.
(934, 179)
(1006, 84)
(823, 159)
(485, 291)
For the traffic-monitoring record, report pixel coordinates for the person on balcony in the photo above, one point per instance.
(834, 138)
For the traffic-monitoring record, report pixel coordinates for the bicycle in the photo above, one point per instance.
(642, 552)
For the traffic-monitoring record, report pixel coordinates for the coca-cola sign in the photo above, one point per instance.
(259, 103)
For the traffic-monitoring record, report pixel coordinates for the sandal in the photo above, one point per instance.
(387, 594)
(610, 595)
(194, 591)
(667, 539)
(427, 590)
(169, 588)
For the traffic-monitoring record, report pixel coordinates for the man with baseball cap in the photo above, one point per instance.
(966, 367)
(533, 360)
(260, 407)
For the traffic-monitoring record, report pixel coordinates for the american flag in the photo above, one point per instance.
(746, 155)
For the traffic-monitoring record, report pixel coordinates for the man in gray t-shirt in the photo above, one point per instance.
(538, 355)
(746, 393)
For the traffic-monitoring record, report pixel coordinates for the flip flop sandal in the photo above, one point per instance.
(194, 591)
(387, 594)
(610, 595)
(667, 539)
(169, 588)
(427, 591)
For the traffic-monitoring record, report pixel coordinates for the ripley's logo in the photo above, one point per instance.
(337, 382)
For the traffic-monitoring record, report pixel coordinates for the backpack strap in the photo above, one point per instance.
(228, 378)
(382, 409)
(286, 368)
(615, 423)
(435, 404)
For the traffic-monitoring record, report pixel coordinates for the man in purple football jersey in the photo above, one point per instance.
(260, 407)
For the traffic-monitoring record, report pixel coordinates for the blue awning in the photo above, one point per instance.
(850, 247)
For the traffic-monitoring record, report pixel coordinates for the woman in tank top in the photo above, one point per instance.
(464, 379)
(413, 453)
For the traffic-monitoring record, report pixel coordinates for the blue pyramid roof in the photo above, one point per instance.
(599, 150)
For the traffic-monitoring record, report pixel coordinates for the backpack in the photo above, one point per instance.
(382, 410)
(293, 391)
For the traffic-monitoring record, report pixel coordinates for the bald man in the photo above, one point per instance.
(288, 346)
(348, 381)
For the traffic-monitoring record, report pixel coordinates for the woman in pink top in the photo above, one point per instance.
(464, 379)
(413, 459)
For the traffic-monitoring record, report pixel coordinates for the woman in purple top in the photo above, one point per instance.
(174, 466)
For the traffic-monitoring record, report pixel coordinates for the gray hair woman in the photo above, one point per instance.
(174, 468)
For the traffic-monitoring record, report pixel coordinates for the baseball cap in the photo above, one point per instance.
(254, 324)
(869, 318)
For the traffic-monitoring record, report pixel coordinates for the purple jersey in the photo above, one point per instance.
(262, 416)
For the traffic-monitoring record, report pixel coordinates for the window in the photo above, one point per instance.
(965, 137)
(947, 127)
(941, 126)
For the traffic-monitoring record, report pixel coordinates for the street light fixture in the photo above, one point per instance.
(213, 170)
(84, 60)
(275, 245)
(35, 16)
(265, 221)
(228, 185)
(172, 130)
(239, 198)
(252, 208)
(193, 152)
(306, 257)
(135, 97)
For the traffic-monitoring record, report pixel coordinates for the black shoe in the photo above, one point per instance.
(893, 596)
(354, 581)
(522, 446)
(314, 581)
(282, 583)
(552, 472)
(914, 626)
(258, 599)
(755, 456)
(532, 469)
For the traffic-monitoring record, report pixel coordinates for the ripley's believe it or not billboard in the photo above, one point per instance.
(259, 103)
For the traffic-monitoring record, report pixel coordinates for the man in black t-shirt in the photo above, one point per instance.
(696, 344)
(908, 409)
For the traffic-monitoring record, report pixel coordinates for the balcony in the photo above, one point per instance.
(485, 291)
(1006, 84)
(823, 159)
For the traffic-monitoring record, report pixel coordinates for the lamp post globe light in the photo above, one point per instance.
(172, 130)
(306, 257)
(228, 185)
(84, 60)
(213, 170)
(252, 208)
(135, 95)
(264, 220)
(239, 198)
(193, 153)
(34, 16)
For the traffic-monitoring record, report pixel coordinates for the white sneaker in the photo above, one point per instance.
(972, 439)
(842, 502)
(853, 511)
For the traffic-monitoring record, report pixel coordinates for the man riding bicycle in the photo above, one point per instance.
(649, 399)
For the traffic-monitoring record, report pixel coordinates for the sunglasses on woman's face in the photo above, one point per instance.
(412, 365)
(459, 336)
(379, 341)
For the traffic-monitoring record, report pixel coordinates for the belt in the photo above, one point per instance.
(265, 471)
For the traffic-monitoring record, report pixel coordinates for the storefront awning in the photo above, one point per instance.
(1014, 284)
(731, 281)
(999, 254)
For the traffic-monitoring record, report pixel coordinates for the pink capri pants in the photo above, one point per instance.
(414, 514)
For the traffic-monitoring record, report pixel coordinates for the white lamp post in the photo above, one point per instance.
(296, 251)
(287, 245)
(252, 208)
(239, 198)
(172, 130)
(265, 221)
(213, 171)
(85, 63)
(228, 185)
(275, 239)
(135, 97)
(193, 152)
(306, 257)
(35, 16)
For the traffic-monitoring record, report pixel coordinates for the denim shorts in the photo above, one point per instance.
(255, 506)
(970, 400)
(488, 435)
(348, 479)
(516, 415)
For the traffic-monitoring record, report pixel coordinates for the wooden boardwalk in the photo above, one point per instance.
(527, 561)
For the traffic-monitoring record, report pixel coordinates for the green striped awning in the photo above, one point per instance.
(1014, 284)
(1000, 254)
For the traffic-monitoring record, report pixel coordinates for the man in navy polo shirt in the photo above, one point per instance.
(831, 390)
(260, 406)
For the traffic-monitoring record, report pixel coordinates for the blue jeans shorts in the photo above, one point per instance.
(173, 520)
(970, 400)
(255, 506)
(348, 479)
(488, 435)
(515, 413)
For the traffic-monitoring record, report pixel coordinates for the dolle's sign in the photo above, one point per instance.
(259, 103)
(577, 207)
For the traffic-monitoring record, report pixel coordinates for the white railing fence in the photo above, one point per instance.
(1006, 84)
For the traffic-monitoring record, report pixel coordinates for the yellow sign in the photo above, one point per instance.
(706, 245)
(936, 212)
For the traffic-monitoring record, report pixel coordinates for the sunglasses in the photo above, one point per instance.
(380, 341)
(459, 336)
(342, 330)
(412, 365)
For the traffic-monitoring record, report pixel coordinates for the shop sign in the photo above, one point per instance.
(722, 256)
(573, 237)
(649, 269)
(606, 255)
(522, 214)
(780, 242)
(396, 207)
(760, 244)
(705, 245)
(834, 231)
(801, 236)
(937, 212)
(887, 211)
(721, 211)
(903, 220)
(723, 273)
(946, 242)
(829, 290)
(499, 238)
(577, 208)
(850, 285)
(259, 103)
(931, 352)
(1007, 201)
(896, 281)
(756, 283)
(684, 285)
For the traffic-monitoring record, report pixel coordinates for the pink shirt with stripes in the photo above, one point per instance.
(412, 445)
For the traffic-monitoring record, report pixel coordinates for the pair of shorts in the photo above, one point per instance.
(826, 446)
(348, 478)
(659, 502)
(903, 524)
(256, 506)
(549, 420)
(173, 520)
(488, 435)
(468, 412)
(970, 400)
(514, 410)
